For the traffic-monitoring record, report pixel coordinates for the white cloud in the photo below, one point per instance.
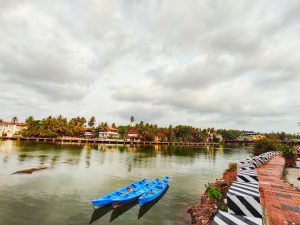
(203, 63)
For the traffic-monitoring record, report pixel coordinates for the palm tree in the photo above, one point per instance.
(14, 119)
(29, 119)
(92, 121)
(1, 120)
(131, 120)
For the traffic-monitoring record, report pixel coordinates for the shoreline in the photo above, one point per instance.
(203, 212)
(104, 141)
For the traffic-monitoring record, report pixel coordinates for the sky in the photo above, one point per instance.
(208, 63)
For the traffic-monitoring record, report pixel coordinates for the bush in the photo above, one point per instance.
(264, 145)
(214, 194)
(287, 152)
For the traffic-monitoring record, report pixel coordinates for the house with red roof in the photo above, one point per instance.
(133, 135)
(111, 133)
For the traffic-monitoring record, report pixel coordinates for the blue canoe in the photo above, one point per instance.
(107, 199)
(134, 194)
(154, 192)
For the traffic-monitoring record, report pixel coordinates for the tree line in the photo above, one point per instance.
(75, 127)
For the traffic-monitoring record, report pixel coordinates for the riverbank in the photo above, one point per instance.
(279, 200)
(203, 212)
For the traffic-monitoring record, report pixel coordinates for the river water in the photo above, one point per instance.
(61, 194)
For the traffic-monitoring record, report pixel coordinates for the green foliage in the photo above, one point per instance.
(92, 121)
(122, 130)
(214, 194)
(229, 134)
(287, 152)
(264, 145)
(224, 208)
(14, 119)
(54, 127)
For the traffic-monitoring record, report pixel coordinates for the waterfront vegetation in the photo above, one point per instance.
(272, 144)
(60, 126)
(75, 127)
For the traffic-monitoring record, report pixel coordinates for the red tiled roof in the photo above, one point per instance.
(112, 129)
(12, 123)
(132, 132)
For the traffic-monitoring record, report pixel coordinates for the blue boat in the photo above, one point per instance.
(134, 194)
(154, 192)
(107, 199)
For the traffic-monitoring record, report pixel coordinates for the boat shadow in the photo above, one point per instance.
(145, 208)
(118, 211)
(100, 212)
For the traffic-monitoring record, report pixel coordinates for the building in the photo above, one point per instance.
(133, 135)
(250, 136)
(11, 129)
(159, 137)
(88, 133)
(111, 133)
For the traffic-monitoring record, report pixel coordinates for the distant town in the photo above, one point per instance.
(80, 127)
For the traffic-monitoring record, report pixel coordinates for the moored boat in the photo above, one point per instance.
(107, 199)
(154, 192)
(134, 194)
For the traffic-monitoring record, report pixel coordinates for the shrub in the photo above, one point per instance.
(264, 145)
(214, 194)
(287, 152)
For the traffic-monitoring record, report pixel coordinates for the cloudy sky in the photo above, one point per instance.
(207, 63)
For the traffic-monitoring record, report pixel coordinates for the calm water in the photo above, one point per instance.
(77, 174)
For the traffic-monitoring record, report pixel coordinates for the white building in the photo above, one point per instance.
(111, 133)
(10, 129)
(133, 135)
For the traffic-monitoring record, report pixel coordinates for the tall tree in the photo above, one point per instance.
(14, 119)
(92, 121)
(131, 119)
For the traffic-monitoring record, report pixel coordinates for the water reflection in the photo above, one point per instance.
(100, 212)
(118, 211)
(80, 173)
(145, 208)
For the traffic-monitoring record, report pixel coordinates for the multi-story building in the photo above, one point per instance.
(111, 133)
(10, 129)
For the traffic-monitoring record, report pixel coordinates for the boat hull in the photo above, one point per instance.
(134, 195)
(108, 199)
(147, 197)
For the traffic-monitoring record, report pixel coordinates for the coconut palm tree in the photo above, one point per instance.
(14, 119)
(131, 120)
(92, 121)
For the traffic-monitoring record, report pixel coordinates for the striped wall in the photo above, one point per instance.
(243, 197)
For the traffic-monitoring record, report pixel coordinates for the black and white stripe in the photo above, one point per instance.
(244, 199)
(247, 176)
(249, 168)
(223, 218)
